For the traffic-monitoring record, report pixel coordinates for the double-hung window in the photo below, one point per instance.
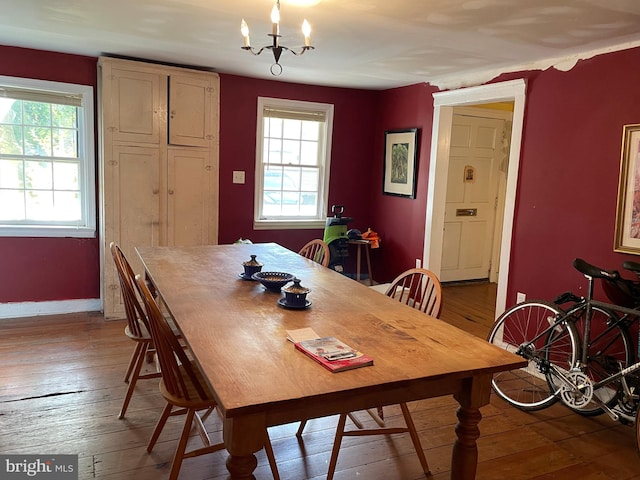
(47, 160)
(292, 163)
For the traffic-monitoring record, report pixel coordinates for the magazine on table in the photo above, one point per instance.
(329, 352)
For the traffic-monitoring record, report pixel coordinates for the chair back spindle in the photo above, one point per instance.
(171, 355)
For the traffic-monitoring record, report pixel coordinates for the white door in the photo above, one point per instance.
(471, 198)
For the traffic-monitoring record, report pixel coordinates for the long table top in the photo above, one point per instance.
(237, 332)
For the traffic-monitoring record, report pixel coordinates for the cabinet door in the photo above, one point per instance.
(132, 212)
(191, 106)
(192, 201)
(137, 106)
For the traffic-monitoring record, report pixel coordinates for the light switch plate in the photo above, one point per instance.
(238, 176)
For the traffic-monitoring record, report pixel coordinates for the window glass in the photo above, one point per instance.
(292, 165)
(47, 165)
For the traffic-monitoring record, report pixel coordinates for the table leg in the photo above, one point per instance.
(358, 259)
(464, 459)
(241, 467)
(243, 436)
(366, 252)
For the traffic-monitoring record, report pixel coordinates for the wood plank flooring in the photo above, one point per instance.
(61, 387)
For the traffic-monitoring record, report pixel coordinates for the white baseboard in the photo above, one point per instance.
(33, 309)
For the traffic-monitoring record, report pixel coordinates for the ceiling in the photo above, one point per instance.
(372, 44)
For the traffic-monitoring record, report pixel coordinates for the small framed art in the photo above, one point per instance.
(400, 162)
(627, 237)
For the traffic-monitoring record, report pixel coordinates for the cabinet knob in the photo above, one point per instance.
(170, 192)
(155, 191)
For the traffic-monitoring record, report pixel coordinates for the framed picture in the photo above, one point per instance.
(627, 238)
(400, 158)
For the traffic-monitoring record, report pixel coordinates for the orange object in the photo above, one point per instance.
(373, 237)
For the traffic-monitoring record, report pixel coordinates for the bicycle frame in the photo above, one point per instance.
(629, 315)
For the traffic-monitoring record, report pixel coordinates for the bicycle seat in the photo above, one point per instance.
(593, 271)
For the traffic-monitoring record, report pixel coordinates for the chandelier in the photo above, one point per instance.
(275, 47)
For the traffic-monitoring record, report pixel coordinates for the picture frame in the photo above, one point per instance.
(627, 232)
(400, 162)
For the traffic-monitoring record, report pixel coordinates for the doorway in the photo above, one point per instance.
(444, 105)
(476, 181)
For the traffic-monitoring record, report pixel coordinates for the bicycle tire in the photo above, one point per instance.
(609, 349)
(637, 427)
(531, 387)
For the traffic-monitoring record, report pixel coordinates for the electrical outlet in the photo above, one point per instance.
(520, 297)
(418, 263)
(238, 176)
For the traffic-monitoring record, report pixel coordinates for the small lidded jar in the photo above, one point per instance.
(251, 266)
(295, 294)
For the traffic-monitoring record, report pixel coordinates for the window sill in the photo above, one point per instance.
(288, 224)
(54, 232)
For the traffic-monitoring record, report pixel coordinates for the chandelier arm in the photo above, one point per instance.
(253, 51)
(301, 52)
(270, 47)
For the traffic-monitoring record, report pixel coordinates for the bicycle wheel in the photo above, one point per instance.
(530, 330)
(638, 430)
(609, 350)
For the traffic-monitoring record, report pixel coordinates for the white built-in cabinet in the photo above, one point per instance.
(159, 162)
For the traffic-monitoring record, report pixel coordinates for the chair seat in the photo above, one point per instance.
(145, 337)
(195, 401)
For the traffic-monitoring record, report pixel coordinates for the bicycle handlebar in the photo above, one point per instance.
(633, 266)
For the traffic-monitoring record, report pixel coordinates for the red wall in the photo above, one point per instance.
(567, 186)
(352, 164)
(42, 269)
(567, 191)
(401, 221)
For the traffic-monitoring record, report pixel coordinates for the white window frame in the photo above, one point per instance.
(86, 152)
(318, 220)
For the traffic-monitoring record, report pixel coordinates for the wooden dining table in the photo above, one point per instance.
(237, 332)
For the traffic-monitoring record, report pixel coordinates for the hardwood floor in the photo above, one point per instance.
(62, 386)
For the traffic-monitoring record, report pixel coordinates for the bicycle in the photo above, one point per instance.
(581, 354)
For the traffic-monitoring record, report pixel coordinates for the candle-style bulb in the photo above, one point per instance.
(275, 13)
(275, 19)
(244, 29)
(306, 31)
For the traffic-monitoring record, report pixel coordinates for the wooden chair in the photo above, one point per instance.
(420, 289)
(137, 328)
(316, 250)
(183, 386)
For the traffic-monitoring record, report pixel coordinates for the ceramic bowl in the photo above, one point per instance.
(273, 281)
